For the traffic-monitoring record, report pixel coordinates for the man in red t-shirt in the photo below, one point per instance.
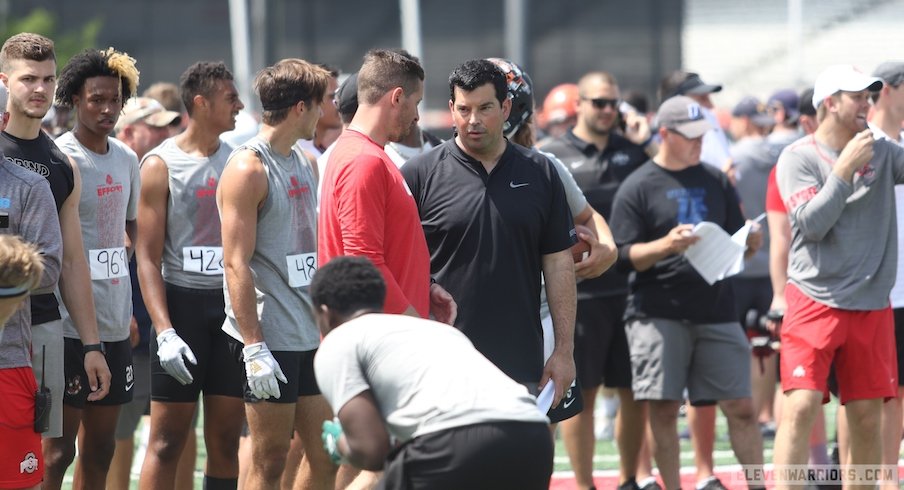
(365, 207)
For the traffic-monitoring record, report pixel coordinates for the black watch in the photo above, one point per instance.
(93, 348)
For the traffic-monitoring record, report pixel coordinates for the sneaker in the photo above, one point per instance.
(629, 484)
(711, 483)
(649, 484)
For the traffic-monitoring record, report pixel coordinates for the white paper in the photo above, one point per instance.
(544, 399)
(717, 255)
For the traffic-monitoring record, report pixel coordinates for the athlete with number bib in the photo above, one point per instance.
(268, 205)
(180, 259)
(95, 83)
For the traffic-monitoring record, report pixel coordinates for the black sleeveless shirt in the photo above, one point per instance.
(42, 156)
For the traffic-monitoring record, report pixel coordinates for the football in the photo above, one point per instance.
(581, 249)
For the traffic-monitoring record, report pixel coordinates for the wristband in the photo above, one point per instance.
(93, 348)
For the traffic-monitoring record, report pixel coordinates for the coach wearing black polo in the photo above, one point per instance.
(495, 216)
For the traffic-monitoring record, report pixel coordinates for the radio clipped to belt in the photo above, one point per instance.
(43, 400)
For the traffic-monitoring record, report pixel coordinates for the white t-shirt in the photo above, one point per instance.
(425, 376)
(715, 150)
(308, 146)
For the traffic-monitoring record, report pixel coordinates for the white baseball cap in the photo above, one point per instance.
(845, 78)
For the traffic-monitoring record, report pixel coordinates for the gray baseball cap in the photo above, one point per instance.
(684, 116)
(891, 72)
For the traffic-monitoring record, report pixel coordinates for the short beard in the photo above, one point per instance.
(600, 132)
(20, 110)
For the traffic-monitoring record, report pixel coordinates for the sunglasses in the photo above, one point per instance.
(601, 103)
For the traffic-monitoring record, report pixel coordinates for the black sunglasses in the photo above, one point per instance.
(600, 103)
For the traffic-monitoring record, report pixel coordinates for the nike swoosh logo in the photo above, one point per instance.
(567, 403)
(513, 185)
(129, 386)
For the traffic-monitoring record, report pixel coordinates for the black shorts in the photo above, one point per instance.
(899, 341)
(601, 353)
(197, 316)
(119, 360)
(298, 368)
(482, 456)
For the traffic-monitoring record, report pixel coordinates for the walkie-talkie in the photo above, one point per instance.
(42, 399)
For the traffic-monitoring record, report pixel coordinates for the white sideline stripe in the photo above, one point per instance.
(613, 458)
(685, 470)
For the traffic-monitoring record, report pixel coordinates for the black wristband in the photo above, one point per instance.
(93, 348)
(432, 280)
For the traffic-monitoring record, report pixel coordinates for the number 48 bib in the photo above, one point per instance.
(301, 269)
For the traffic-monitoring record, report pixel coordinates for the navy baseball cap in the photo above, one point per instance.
(789, 101)
(752, 108)
(347, 96)
(694, 85)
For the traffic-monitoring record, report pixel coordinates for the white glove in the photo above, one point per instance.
(262, 371)
(170, 349)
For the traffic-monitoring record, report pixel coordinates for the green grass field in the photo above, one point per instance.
(606, 457)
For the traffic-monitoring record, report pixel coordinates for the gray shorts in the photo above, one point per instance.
(711, 360)
(130, 413)
(47, 361)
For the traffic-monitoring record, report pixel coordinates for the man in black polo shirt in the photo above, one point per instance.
(495, 216)
(600, 158)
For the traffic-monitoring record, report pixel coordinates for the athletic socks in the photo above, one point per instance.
(649, 483)
(610, 406)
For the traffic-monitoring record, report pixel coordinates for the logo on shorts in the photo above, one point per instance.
(799, 372)
(130, 377)
(74, 385)
(29, 464)
(568, 402)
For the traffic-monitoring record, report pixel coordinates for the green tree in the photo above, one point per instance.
(66, 44)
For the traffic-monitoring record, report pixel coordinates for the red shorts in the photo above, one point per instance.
(861, 344)
(21, 464)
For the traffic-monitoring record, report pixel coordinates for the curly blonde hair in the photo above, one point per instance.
(94, 63)
(20, 263)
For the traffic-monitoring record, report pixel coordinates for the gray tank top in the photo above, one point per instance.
(193, 247)
(285, 254)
